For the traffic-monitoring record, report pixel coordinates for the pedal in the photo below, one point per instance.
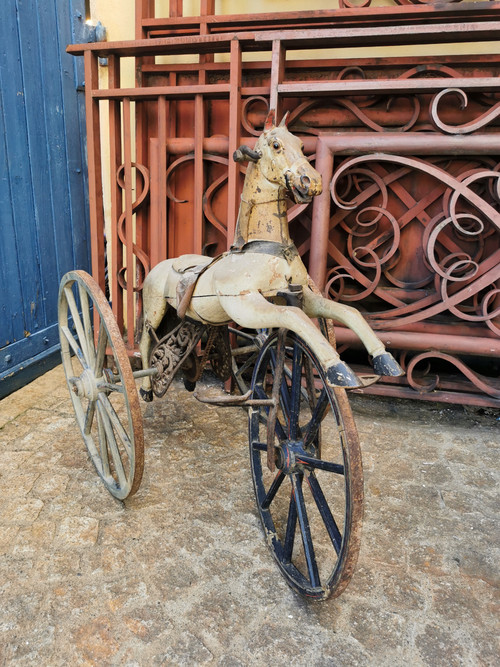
(368, 380)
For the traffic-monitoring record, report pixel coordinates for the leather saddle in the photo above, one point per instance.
(190, 268)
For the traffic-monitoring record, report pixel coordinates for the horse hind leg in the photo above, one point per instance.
(316, 305)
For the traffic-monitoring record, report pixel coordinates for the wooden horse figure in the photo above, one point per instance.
(263, 263)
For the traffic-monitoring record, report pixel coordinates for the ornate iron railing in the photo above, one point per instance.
(407, 227)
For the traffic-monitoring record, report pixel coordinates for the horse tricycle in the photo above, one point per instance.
(305, 456)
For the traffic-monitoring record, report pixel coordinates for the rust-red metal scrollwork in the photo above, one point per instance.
(453, 243)
(424, 381)
(142, 259)
(415, 258)
(482, 121)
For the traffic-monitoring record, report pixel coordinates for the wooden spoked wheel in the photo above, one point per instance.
(103, 393)
(311, 504)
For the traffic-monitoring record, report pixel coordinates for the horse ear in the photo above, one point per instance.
(284, 120)
(270, 120)
(244, 153)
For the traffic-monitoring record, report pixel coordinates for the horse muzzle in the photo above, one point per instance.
(302, 187)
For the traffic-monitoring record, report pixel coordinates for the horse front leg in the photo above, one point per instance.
(316, 305)
(154, 308)
(253, 311)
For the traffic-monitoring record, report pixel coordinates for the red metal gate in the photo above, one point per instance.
(408, 225)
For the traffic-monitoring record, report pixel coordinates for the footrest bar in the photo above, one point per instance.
(226, 400)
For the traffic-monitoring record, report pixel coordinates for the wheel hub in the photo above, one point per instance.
(288, 455)
(85, 386)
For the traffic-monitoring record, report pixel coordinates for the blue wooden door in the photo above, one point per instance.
(43, 201)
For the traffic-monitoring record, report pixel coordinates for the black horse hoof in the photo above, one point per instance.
(146, 394)
(385, 364)
(340, 375)
(189, 385)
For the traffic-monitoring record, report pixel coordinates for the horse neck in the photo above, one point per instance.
(263, 210)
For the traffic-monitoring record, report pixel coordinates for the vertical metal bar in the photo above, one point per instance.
(320, 227)
(233, 183)
(199, 185)
(94, 166)
(162, 190)
(175, 8)
(158, 196)
(207, 8)
(277, 76)
(171, 132)
(144, 9)
(129, 222)
(115, 256)
(154, 201)
(141, 158)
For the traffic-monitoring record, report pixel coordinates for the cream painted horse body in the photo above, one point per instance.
(263, 262)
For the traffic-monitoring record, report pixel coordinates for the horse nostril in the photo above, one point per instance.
(305, 181)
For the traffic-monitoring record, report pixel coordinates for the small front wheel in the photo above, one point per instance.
(309, 490)
(104, 395)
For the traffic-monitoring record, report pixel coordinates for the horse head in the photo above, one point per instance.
(280, 158)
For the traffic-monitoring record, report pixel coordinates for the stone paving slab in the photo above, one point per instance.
(180, 574)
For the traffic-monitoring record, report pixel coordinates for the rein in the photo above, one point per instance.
(259, 203)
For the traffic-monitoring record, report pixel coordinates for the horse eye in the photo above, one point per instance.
(276, 145)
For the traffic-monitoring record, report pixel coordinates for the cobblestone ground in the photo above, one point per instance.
(181, 575)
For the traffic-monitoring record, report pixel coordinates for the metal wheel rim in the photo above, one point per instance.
(114, 441)
(333, 584)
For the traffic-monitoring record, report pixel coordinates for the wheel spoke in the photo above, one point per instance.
(329, 466)
(74, 346)
(87, 324)
(295, 393)
(284, 395)
(112, 445)
(273, 490)
(70, 298)
(324, 510)
(261, 446)
(319, 413)
(115, 420)
(103, 446)
(305, 529)
(102, 341)
(107, 386)
(291, 526)
(89, 418)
